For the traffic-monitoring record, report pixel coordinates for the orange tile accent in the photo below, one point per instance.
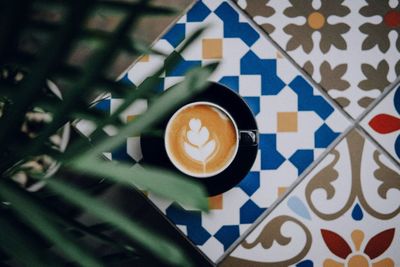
(287, 121)
(316, 20)
(358, 237)
(281, 191)
(212, 48)
(215, 202)
(130, 118)
(144, 58)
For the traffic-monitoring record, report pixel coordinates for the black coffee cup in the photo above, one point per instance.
(155, 152)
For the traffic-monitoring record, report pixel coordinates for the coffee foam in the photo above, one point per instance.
(200, 147)
(201, 139)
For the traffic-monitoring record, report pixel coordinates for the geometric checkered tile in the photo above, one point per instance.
(295, 121)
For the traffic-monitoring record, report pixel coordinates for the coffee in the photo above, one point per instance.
(201, 139)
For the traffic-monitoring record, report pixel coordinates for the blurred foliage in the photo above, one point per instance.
(33, 121)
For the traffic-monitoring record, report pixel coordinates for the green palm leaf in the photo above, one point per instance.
(39, 218)
(165, 250)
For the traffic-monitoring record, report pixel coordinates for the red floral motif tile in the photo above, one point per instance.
(344, 213)
(383, 123)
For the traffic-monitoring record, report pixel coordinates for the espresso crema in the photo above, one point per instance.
(201, 139)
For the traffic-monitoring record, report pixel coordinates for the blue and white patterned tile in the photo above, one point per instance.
(296, 122)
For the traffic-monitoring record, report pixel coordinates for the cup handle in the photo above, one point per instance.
(248, 137)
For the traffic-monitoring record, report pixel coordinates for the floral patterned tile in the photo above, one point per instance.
(350, 47)
(344, 213)
(383, 123)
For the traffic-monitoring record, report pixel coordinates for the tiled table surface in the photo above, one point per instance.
(321, 82)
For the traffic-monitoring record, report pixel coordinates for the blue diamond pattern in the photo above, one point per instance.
(271, 159)
(254, 104)
(233, 28)
(271, 84)
(250, 183)
(249, 212)
(176, 35)
(227, 235)
(324, 136)
(301, 159)
(125, 79)
(308, 101)
(192, 220)
(104, 105)
(120, 154)
(198, 12)
(182, 67)
(231, 82)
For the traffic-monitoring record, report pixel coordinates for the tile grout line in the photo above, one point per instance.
(377, 145)
(372, 106)
(377, 100)
(291, 188)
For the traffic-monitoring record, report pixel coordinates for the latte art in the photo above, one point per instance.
(201, 139)
(199, 147)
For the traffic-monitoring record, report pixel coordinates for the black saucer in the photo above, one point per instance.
(154, 151)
